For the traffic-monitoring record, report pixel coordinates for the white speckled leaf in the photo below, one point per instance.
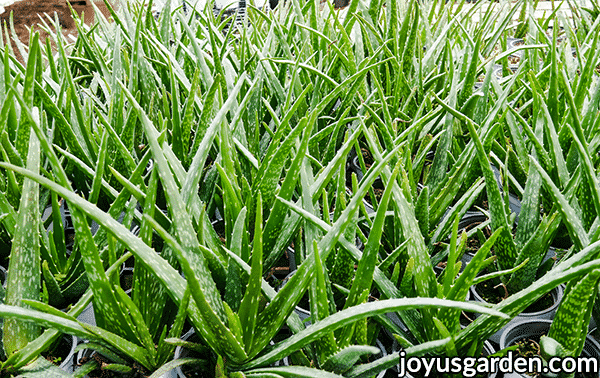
(23, 280)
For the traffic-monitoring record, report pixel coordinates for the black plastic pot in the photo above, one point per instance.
(126, 279)
(535, 328)
(546, 314)
(68, 345)
(86, 354)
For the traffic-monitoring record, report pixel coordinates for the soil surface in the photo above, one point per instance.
(28, 14)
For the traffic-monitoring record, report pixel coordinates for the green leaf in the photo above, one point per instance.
(347, 357)
(23, 279)
(352, 314)
(41, 368)
(569, 217)
(248, 311)
(290, 372)
(569, 326)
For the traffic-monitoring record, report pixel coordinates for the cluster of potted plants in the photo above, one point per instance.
(303, 195)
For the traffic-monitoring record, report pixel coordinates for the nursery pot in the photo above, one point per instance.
(87, 315)
(383, 352)
(86, 354)
(498, 70)
(512, 44)
(547, 313)
(66, 347)
(533, 329)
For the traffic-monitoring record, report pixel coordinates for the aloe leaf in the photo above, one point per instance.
(347, 357)
(449, 272)
(437, 175)
(90, 149)
(366, 266)
(54, 292)
(182, 222)
(161, 371)
(289, 372)
(165, 350)
(98, 280)
(97, 182)
(270, 178)
(326, 346)
(24, 130)
(589, 171)
(550, 347)
(273, 225)
(349, 315)
(422, 211)
(72, 139)
(127, 348)
(391, 360)
(147, 293)
(529, 217)
(505, 248)
(458, 210)
(41, 368)
(425, 283)
(213, 324)
(58, 233)
(47, 320)
(458, 291)
(249, 307)
(569, 324)
(140, 326)
(570, 218)
(24, 275)
(204, 143)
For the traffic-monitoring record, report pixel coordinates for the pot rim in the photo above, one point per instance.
(557, 294)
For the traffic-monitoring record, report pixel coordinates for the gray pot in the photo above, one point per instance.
(69, 363)
(537, 327)
(557, 294)
(498, 70)
(513, 43)
(87, 315)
